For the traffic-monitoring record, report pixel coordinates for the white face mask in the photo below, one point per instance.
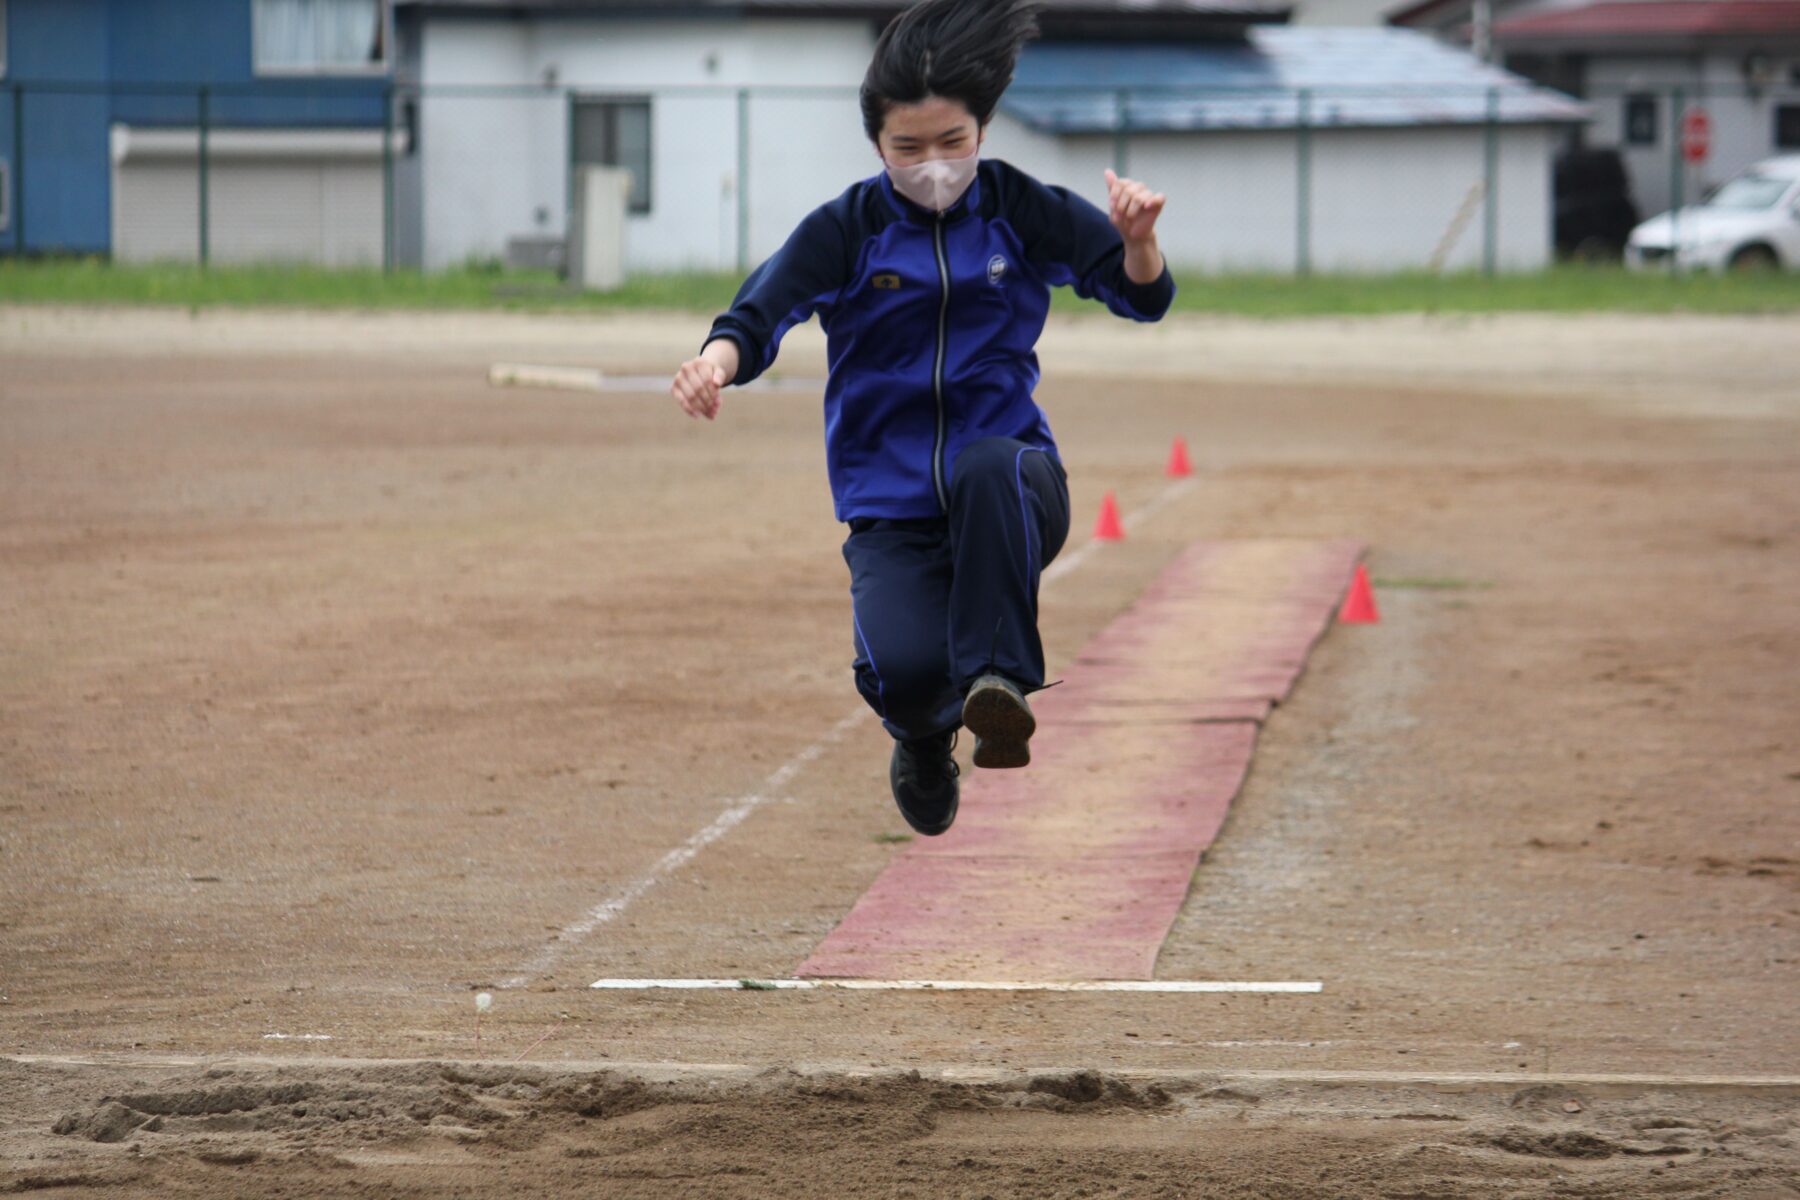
(936, 183)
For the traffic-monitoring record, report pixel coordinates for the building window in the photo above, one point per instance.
(1787, 126)
(614, 133)
(1640, 120)
(319, 37)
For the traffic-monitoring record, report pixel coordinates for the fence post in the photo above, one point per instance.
(744, 180)
(18, 169)
(1490, 186)
(1677, 179)
(205, 114)
(387, 179)
(1121, 133)
(1303, 185)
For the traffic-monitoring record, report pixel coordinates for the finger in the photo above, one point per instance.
(693, 394)
(700, 383)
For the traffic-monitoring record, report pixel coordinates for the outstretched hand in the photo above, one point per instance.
(1133, 207)
(696, 387)
(698, 381)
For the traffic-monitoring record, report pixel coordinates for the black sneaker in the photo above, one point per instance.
(923, 775)
(996, 713)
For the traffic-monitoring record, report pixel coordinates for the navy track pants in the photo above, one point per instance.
(938, 602)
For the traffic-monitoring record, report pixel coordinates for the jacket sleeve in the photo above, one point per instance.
(805, 275)
(1073, 243)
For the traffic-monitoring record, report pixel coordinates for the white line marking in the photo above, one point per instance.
(722, 824)
(734, 815)
(296, 1037)
(950, 985)
(576, 379)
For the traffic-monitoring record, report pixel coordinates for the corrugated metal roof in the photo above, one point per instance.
(1101, 20)
(1636, 19)
(1249, 9)
(1356, 77)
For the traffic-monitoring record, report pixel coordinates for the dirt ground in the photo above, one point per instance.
(336, 686)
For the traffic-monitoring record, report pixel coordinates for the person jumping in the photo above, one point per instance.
(932, 282)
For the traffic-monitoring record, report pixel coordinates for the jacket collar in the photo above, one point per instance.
(965, 204)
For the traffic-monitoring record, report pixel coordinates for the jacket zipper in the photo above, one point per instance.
(937, 370)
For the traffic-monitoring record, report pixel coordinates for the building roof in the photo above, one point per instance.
(1641, 20)
(1102, 19)
(859, 7)
(1354, 77)
(1436, 14)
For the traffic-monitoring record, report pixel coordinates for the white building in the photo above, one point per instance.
(1646, 65)
(1351, 149)
(1634, 61)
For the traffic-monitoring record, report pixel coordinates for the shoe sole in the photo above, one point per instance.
(931, 830)
(1002, 724)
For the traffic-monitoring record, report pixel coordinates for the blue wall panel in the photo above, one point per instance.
(87, 64)
(181, 41)
(64, 174)
(184, 43)
(9, 236)
(57, 39)
(67, 181)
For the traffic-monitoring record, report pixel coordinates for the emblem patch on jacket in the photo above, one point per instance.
(887, 283)
(996, 269)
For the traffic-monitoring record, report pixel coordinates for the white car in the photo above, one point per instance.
(1752, 221)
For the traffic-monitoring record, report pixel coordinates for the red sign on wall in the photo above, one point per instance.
(1696, 135)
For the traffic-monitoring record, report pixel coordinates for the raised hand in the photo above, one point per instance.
(1133, 207)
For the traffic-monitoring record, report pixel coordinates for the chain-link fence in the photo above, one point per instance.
(393, 174)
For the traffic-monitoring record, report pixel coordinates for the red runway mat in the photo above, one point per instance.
(1075, 867)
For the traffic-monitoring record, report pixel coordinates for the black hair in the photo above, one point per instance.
(958, 49)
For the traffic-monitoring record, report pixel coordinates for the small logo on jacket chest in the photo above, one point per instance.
(886, 283)
(996, 269)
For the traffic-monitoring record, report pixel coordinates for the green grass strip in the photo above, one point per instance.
(1559, 289)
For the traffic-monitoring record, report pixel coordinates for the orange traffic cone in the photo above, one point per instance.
(1108, 528)
(1359, 603)
(1178, 460)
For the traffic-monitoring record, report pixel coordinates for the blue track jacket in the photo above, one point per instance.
(931, 323)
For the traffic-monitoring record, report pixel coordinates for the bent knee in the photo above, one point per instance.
(991, 460)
